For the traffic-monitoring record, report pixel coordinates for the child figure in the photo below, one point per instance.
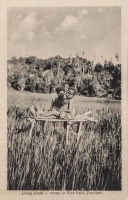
(68, 108)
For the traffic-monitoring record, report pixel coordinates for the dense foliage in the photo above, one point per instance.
(38, 75)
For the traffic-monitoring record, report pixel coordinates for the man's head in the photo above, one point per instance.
(70, 92)
(60, 92)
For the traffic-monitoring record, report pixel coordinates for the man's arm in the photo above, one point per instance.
(72, 108)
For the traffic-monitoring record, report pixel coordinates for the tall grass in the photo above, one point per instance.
(45, 163)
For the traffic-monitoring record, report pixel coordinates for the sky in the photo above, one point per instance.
(49, 31)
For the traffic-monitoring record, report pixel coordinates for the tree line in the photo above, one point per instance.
(44, 75)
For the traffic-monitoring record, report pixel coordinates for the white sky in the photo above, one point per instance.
(48, 31)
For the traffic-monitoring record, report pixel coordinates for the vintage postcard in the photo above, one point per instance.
(63, 100)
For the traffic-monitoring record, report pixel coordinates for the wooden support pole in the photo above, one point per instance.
(31, 129)
(58, 68)
(79, 131)
(67, 134)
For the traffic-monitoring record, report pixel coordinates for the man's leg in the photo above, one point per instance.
(49, 114)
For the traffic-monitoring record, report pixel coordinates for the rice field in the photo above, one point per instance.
(46, 163)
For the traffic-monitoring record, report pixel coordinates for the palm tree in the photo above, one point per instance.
(51, 63)
(83, 69)
(117, 57)
(83, 65)
(58, 67)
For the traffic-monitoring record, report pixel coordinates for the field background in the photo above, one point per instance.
(45, 164)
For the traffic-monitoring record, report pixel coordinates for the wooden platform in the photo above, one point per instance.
(69, 122)
(61, 120)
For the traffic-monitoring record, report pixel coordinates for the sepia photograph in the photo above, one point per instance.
(64, 93)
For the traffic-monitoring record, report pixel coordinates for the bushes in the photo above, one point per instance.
(107, 76)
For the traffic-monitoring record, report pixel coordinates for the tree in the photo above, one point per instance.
(110, 67)
(14, 58)
(98, 68)
(58, 68)
(117, 57)
(21, 84)
(22, 60)
(30, 60)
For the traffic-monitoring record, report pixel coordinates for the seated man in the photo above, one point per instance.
(58, 102)
(55, 105)
(63, 108)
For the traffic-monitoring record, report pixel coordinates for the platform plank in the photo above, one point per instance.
(61, 120)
